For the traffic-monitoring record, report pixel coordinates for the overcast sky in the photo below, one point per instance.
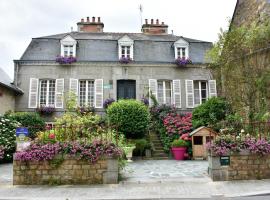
(22, 20)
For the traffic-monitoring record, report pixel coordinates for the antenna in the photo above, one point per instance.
(71, 28)
(141, 11)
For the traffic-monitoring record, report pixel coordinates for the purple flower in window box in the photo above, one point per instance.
(46, 110)
(65, 60)
(108, 102)
(125, 60)
(182, 61)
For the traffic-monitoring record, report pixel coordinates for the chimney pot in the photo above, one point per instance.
(146, 21)
(87, 19)
(98, 19)
(157, 22)
(93, 19)
(162, 23)
(82, 20)
(152, 21)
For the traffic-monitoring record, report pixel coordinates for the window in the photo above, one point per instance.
(47, 93)
(200, 92)
(181, 48)
(86, 93)
(164, 92)
(68, 50)
(181, 52)
(68, 46)
(197, 140)
(125, 51)
(125, 47)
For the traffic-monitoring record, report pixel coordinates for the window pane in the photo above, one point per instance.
(178, 52)
(82, 93)
(183, 52)
(168, 92)
(198, 140)
(197, 96)
(123, 52)
(203, 85)
(51, 92)
(42, 94)
(196, 84)
(160, 92)
(90, 93)
(128, 51)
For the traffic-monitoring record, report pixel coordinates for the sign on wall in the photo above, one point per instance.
(224, 160)
(22, 140)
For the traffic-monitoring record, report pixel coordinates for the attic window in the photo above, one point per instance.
(68, 46)
(181, 49)
(125, 47)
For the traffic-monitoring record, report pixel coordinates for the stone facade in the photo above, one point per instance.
(242, 167)
(70, 171)
(7, 99)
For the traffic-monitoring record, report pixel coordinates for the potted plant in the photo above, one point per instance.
(181, 62)
(45, 110)
(125, 60)
(179, 148)
(128, 151)
(65, 60)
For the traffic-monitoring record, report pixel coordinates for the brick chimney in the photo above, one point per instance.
(154, 28)
(90, 26)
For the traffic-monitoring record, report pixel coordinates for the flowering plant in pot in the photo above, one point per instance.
(181, 62)
(179, 148)
(128, 150)
(65, 60)
(125, 60)
(45, 110)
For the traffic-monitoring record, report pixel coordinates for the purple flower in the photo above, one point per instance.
(145, 101)
(108, 102)
(46, 110)
(183, 61)
(125, 60)
(65, 60)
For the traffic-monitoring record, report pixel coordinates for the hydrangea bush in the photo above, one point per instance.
(8, 137)
(92, 152)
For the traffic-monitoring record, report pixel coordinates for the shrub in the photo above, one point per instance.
(31, 120)
(179, 143)
(160, 111)
(209, 113)
(108, 102)
(177, 124)
(8, 137)
(130, 116)
(141, 145)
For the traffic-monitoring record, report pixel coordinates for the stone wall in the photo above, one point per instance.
(7, 100)
(242, 167)
(69, 171)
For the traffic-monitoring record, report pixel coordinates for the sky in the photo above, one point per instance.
(22, 20)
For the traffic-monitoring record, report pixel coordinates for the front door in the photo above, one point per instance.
(126, 89)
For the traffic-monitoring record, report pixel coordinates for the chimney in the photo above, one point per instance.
(90, 27)
(154, 29)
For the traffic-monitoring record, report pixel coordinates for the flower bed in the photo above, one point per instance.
(67, 163)
(248, 158)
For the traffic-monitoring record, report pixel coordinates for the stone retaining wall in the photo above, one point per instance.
(68, 171)
(242, 167)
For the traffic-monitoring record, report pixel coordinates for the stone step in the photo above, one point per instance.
(160, 158)
(160, 155)
(158, 151)
(159, 148)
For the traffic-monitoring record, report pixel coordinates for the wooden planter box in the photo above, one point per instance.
(68, 171)
(239, 166)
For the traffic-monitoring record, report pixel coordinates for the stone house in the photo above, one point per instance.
(97, 73)
(8, 92)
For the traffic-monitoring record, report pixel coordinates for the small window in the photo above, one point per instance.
(125, 51)
(68, 50)
(47, 93)
(164, 91)
(86, 93)
(197, 140)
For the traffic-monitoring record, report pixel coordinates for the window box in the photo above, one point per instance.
(45, 110)
(125, 60)
(181, 62)
(65, 60)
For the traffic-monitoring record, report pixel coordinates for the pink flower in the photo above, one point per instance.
(52, 136)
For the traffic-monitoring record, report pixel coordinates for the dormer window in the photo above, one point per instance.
(125, 47)
(68, 46)
(181, 49)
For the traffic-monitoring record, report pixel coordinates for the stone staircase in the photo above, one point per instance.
(158, 152)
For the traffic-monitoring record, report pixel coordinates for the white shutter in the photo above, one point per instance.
(212, 88)
(177, 93)
(152, 89)
(189, 94)
(73, 86)
(59, 93)
(99, 93)
(33, 93)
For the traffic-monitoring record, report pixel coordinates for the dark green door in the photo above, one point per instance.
(126, 89)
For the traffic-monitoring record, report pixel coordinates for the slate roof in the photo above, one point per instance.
(102, 47)
(6, 81)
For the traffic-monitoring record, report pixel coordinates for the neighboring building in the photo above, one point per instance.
(245, 81)
(7, 93)
(98, 74)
